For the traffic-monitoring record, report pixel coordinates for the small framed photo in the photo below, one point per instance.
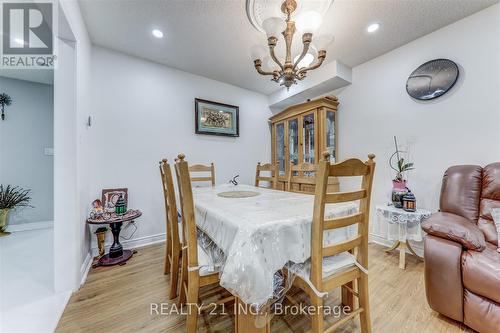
(216, 118)
(110, 196)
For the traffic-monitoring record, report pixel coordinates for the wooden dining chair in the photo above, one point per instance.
(272, 179)
(173, 239)
(198, 168)
(333, 266)
(195, 272)
(300, 179)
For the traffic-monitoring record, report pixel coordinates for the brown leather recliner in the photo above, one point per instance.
(462, 265)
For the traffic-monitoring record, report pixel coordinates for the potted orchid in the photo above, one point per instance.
(401, 166)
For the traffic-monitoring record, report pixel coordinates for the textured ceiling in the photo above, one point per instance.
(212, 38)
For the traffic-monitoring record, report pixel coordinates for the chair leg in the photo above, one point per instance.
(192, 302)
(317, 316)
(364, 302)
(168, 252)
(174, 275)
(167, 261)
(167, 265)
(184, 271)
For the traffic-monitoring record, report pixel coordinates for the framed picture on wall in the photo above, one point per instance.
(110, 196)
(214, 118)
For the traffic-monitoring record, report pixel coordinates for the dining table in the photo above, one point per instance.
(260, 231)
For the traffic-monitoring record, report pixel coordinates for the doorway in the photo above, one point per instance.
(43, 269)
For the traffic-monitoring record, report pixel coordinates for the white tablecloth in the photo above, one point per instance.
(259, 235)
(402, 225)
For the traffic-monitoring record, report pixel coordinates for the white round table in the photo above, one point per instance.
(402, 226)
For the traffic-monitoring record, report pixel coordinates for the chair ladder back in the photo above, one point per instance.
(172, 218)
(165, 200)
(316, 274)
(341, 222)
(187, 208)
(343, 246)
(300, 179)
(364, 207)
(348, 168)
(197, 168)
(344, 196)
(273, 179)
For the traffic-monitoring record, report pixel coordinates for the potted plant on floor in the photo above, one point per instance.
(398, 164)
(11, 197)
(5, 100)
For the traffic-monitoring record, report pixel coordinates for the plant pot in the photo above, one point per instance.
(4, 215)
(398, 191)
(400, 185)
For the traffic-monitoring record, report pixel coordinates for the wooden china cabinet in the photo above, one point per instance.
(300, 133)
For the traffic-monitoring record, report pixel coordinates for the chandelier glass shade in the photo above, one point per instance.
(292, 69)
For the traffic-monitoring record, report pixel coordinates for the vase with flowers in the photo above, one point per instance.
(398, 164)
(11, 197)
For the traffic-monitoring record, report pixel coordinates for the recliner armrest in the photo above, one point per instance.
(455, 228)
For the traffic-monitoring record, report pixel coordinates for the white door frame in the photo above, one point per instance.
(66, 217)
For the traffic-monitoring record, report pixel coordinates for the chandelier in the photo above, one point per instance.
(293, 69)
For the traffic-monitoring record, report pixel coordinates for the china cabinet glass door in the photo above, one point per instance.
(330, 135)
(280, 148)
(293, 141)
(308, 137)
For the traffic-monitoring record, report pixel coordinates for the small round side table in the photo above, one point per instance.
(402, 226)
(117, 255)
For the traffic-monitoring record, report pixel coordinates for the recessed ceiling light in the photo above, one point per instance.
(157, 33)
(373, 27)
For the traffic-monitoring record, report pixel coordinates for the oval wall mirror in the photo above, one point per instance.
(432, 79)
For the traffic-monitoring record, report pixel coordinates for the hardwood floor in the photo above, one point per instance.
(118, 299)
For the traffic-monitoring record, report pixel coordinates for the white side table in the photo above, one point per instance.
(402, 226)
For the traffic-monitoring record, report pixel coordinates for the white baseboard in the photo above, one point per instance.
(134, 243)
(85, 268)
(65, 296)
(381, 240)
(30, 226)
